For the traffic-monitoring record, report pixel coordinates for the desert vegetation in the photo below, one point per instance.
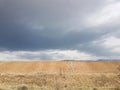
(61, 80)
(64, 81)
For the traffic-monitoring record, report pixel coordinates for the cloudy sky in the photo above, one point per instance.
(59, 29)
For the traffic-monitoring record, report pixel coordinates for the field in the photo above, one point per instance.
(60, 75)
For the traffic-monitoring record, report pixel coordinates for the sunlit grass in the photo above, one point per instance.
(60, 81)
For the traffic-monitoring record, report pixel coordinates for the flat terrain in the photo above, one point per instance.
(30, 67)
(65, 75)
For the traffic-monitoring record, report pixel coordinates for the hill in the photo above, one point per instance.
(79, 67)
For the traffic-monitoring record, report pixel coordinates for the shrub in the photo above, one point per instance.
(94, 88)
(22, 88)
(117, 88)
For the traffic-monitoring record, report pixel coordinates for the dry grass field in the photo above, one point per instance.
(60, 75)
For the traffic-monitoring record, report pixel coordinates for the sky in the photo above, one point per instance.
(59, 30)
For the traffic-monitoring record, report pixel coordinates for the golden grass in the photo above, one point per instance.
(61, 81)
(31, 67)
(63, 78)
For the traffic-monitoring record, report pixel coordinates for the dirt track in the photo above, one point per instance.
(30, 67)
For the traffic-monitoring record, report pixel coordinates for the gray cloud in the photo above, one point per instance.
(53, 24)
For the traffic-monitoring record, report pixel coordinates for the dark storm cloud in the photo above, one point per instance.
(15, 17)
(50, 24)
(22, 38)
